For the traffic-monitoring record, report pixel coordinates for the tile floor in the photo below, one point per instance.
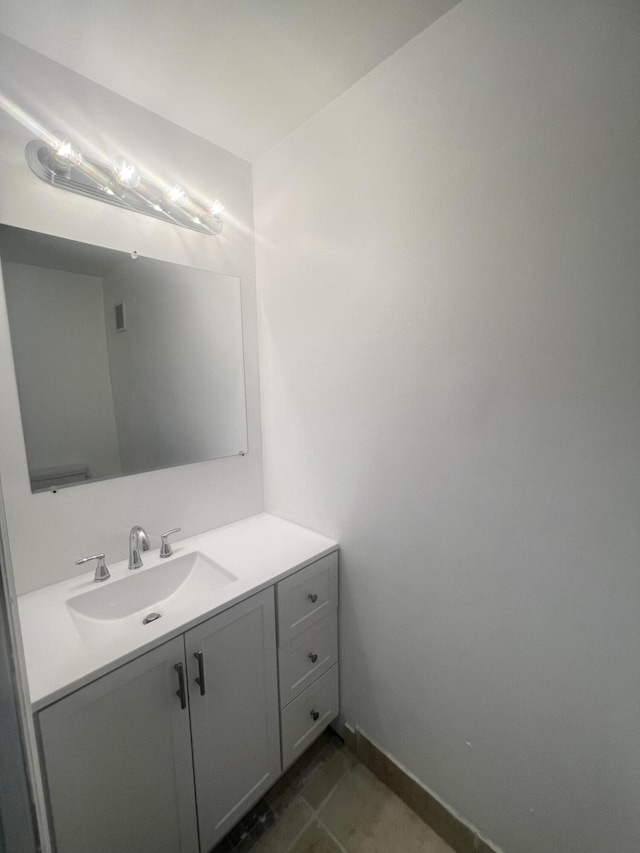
(328, 802)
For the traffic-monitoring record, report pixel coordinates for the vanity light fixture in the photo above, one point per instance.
(120, 183)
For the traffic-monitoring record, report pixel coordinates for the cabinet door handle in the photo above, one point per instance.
(313, 658)
(181, 693)
(199, 656)
(315, 715)
(313, 597)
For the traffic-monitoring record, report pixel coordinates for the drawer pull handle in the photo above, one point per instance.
(200, 679)
(181, 692)
(315, 715)
(313, 597)
(313, 658)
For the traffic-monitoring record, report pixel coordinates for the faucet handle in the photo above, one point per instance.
(165, 549)
(102, 572)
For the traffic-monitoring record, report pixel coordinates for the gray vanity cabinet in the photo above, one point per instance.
(121, 754)
(234, 712)
(117, 757)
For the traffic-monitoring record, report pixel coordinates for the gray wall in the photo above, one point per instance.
(177, 371)
(48, 532)
(450, 340)
(66, 399)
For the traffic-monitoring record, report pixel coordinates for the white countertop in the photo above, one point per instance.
(259, 551)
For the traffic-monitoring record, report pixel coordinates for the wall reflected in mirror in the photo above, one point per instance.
(122, 365)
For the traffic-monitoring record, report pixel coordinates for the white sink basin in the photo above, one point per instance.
(167, 586)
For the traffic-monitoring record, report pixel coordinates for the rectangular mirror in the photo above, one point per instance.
(123, 364)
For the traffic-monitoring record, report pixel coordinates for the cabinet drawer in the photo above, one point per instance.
(307, 657)
(299, 728)
(306, 597)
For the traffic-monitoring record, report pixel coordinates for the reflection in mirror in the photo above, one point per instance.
(123, 364)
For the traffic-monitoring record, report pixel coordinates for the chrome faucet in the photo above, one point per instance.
(102, 572)
(138, 541)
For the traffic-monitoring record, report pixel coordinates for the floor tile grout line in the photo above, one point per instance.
(332, 836)
(323, 802)
(315, 815)
(305, 827)
(305, 776)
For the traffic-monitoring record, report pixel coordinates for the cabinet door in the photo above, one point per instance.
(117, 758)
(234, 712)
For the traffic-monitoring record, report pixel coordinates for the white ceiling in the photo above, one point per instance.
(240, 73)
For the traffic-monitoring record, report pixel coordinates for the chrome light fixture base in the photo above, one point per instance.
(96, 180)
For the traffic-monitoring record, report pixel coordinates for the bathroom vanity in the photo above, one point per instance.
(158, 735)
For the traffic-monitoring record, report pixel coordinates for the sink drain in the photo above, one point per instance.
(151, 617)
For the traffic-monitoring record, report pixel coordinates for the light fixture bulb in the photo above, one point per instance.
(125, 173)
(216, 209)
(177, 196)
(65, 153)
